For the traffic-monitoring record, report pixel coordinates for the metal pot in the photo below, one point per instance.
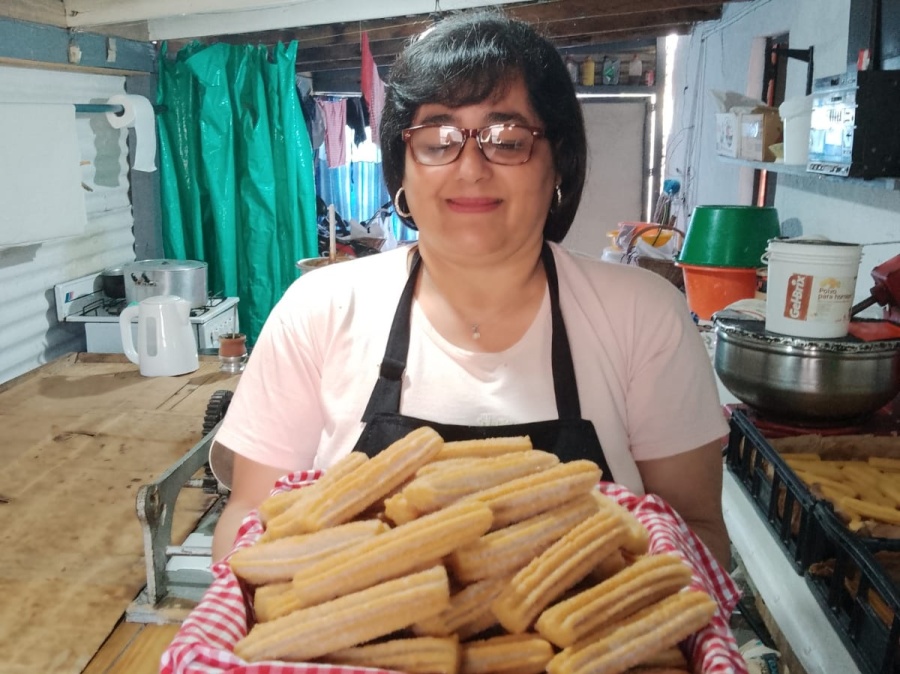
(113, 280)
(149, 278)
(805, 380)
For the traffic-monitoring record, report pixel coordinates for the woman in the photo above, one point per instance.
(487, 327)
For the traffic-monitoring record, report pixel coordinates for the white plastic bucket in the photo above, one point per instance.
(810, 287)
(796, 113)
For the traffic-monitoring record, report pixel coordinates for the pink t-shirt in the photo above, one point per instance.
(644, 376)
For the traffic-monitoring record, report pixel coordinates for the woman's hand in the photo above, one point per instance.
(252, 484)
(692, 484)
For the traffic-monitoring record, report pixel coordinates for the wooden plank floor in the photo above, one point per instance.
(132, 648)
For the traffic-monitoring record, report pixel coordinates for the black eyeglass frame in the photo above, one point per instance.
(406, 134)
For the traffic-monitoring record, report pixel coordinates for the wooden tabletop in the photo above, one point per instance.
(80, 435)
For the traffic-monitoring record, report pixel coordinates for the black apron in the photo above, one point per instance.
(570, 437)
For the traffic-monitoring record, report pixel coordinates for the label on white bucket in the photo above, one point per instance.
(811, 288)
(822, 299)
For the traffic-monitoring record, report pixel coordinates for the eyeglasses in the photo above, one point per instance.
(437, 144)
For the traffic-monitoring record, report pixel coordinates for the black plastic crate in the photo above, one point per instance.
(858, 596)
(781, 497)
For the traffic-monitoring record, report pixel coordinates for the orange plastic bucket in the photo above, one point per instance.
(710, 289)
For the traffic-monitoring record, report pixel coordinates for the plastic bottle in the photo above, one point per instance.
(587, 72)
(610, 71)
(635, 70)
(572, 67)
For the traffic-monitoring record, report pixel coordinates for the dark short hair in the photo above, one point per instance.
(472, 57)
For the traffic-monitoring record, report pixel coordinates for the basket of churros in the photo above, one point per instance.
(474, 557)
(858, 586)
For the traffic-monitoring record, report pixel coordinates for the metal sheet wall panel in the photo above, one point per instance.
(29, 332)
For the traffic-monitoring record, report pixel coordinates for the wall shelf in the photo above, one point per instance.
(617, 89)
(800, 170)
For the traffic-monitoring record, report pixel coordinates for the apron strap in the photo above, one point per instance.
(568, 406)
(386, 393)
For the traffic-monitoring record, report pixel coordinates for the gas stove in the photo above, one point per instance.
(82, 301)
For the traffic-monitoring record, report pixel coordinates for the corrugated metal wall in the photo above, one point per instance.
(29, 332)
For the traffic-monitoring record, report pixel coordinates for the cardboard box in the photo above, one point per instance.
(759, 130)
(728, 134)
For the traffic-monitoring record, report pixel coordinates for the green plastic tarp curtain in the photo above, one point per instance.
(236, 171)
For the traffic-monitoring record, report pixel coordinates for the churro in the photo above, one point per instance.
(510, 653)
(871, 510)
(348, 621)
(487, 620)
(671, 657)
(531, 495)
(506, 550)
(465, 607)
(279, 560)
(393, 553)
(445, 464)
(483, 448)
(558, 569)
(647, 581)
(417, 655)
(398, 510)
(280, 502)
(885, 463)
(439, 488)
(630, 642)
(638, 537)
(273, 601)
(609, 566)
(353, 493)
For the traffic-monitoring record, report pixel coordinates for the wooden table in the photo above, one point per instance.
(79, 436)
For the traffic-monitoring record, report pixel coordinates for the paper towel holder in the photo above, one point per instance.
(107, 107)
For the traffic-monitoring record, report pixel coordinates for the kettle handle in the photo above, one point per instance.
(128, 314)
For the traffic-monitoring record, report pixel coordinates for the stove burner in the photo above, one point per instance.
(99, 304)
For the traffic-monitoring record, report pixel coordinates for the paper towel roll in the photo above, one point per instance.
(139, 115)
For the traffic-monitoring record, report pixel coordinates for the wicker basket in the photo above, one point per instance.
(664, 267)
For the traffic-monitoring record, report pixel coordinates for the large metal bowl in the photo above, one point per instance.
(805, 380)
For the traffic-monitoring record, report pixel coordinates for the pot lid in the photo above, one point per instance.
(165, 265)
(738, 327)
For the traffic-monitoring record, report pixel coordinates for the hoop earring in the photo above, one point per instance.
(558, 199)
(399, 211)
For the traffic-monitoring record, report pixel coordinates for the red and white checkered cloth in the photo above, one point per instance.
(205, 642)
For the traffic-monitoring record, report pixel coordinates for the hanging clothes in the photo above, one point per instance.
(372, 88)
(357, 119)
(315, 121)
(335, 113)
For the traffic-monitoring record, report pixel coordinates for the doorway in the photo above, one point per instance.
(619, 131)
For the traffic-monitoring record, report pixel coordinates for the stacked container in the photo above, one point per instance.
(722, 252)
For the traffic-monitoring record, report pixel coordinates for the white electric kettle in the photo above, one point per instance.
(166, 344)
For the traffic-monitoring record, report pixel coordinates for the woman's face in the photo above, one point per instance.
(471, 209)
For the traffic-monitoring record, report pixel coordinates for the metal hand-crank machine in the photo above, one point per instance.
(178, 575)
(885, 292)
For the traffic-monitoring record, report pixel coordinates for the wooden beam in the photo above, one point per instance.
(299, 13)
(650, 23)
(49, 12)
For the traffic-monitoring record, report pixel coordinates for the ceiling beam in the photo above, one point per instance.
(306, 13)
